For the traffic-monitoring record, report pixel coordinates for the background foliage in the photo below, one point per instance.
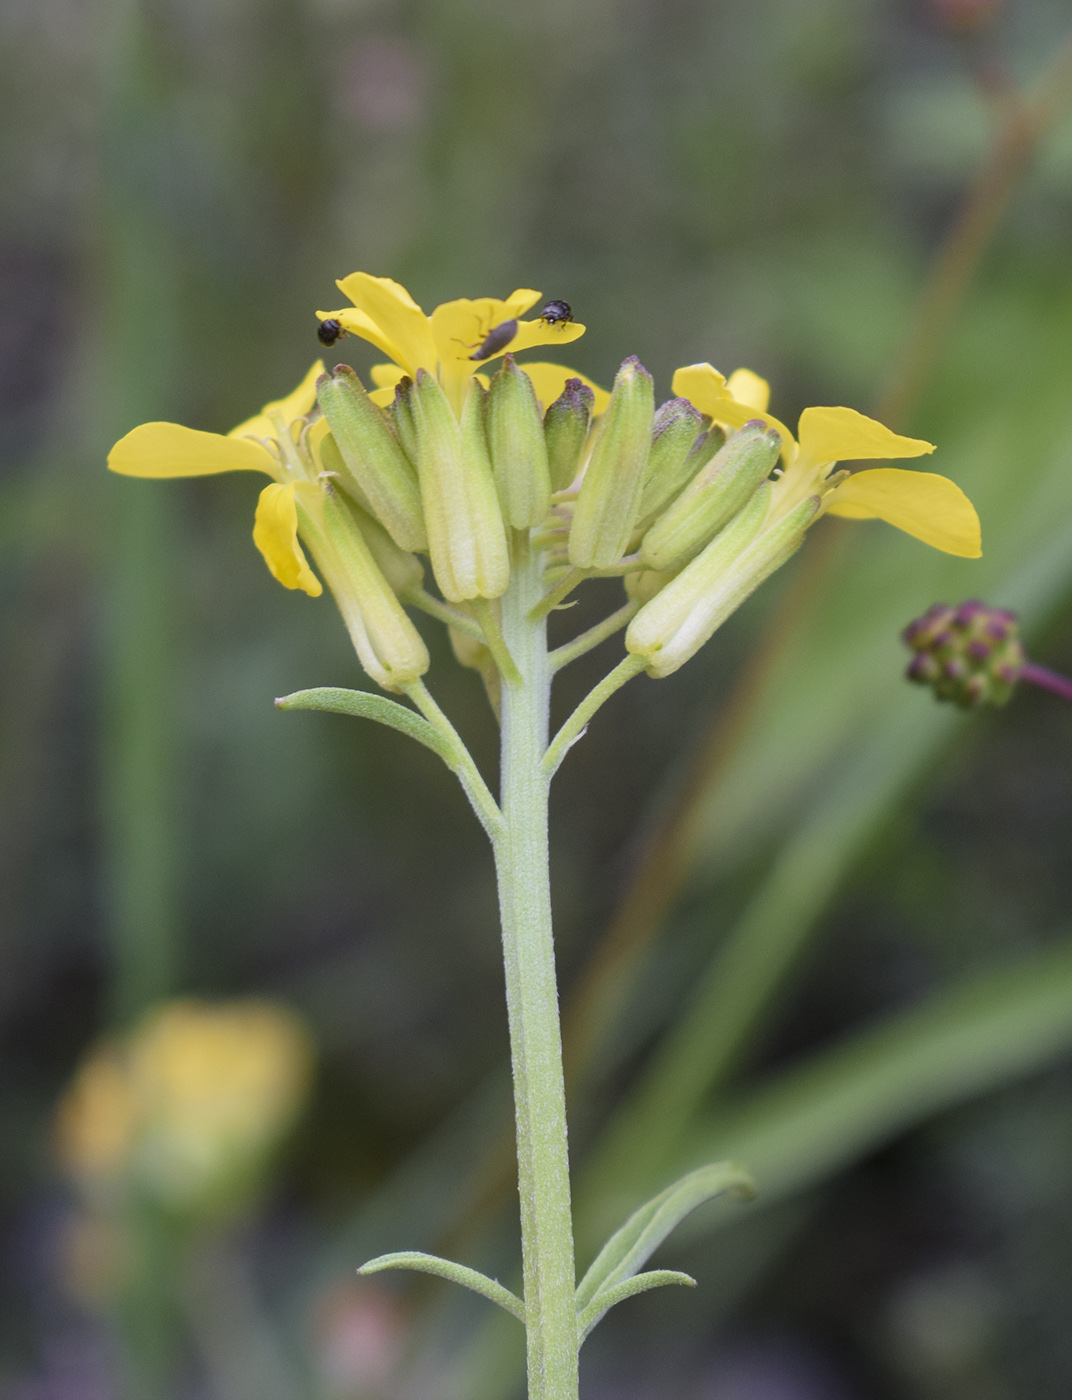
(763, 185)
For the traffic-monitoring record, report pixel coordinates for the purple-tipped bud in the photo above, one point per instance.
(970, 654)
(565, 427)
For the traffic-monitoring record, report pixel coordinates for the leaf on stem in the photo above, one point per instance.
(456, 1273)
(606, 1298)
(365, 705)
(629, 1248)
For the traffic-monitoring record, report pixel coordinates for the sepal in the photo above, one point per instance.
(466, 535)
(711, 498)
(388, 645)
(517, 447)
(610, 493)
(672, 628)
(565, 426)
(373, 456)
(675, 458)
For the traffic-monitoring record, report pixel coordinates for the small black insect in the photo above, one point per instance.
(556, 311)
(498, 338)
(328, 332)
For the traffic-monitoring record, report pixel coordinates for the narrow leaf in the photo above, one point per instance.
(629, 1248)
(365, 705)
(456, 1273)
(606, 1298)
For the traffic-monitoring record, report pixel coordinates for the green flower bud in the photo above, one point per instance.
(373, 456)
(466, 536)
(401, 415)
(674, 458)
(331, 461)
(402, 570)
(565, 427)
(517, 447)
(477, 657)
(642, 587)
(388, 645)
(610, 493)
(672, 628)
(712, 498)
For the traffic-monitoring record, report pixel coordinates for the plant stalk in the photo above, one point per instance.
(521, 859)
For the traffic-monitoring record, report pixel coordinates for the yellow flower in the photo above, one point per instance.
(278, 442)
(930, 507)
(187, 1108)
(444, 343)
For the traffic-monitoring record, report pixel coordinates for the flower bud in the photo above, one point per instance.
(373, 455)
(466, 537)
(402, 570)
(713, 497)
(565, 427)
(971, 654)
(476, 656)
(642, 586)
(517, 447)
(672, 628)
(387, 643)
(674, 458)
(610, 493)
(401, 415)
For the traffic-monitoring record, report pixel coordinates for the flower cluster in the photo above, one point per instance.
(971, 654)
(186, 1110)
(692, 504)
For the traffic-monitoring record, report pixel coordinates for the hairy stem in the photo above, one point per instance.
(625, 670)
(521, 858)
(570, 651)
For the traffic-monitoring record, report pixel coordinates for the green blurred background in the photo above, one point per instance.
(763, 184)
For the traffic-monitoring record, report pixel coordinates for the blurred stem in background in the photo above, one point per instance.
(138, 340)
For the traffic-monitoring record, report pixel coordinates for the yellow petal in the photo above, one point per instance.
(168, 449)
(748, 388)
(517, 303)
(531, 333)
(391, 308)
(702, 385)
(708, 391)
(843, 435)
(549, 380)
(296, 405)
(930, 507)
(386, 376)
(300, 401)
(357, 323)
(275, 533)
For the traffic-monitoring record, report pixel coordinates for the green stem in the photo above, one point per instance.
(625, 670)
(521, 858)
(429, 603)
(565, 586)
(484, 613)
(563, 655)
(460, 761)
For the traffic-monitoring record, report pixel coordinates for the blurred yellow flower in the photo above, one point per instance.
(187, 1109)
(278, 441)
(930, 507)
(445, 342)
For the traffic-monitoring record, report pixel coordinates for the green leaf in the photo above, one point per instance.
(606, 1298)
(364, 705)
(642, 1234)
(456, 1273)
